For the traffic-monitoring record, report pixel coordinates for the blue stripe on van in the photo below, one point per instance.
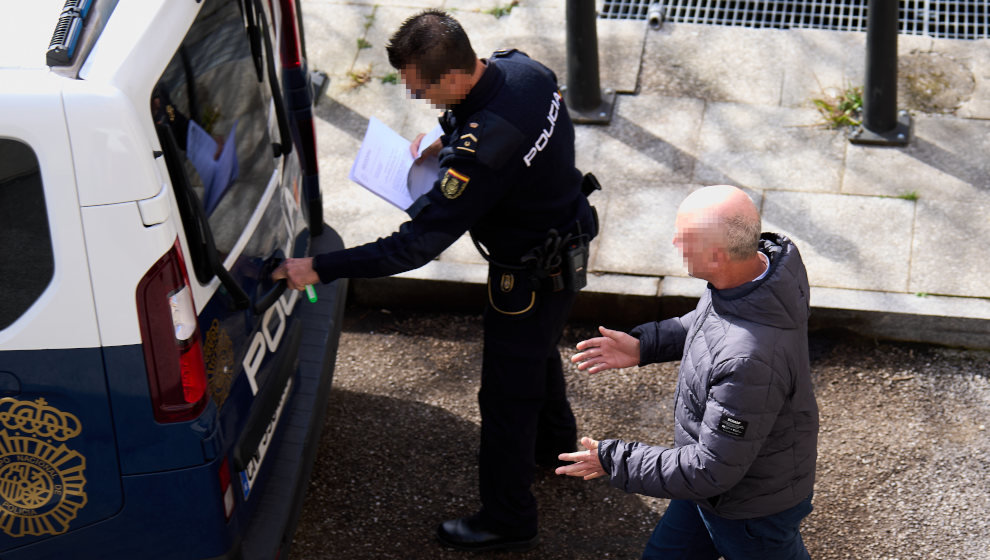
(144, 444)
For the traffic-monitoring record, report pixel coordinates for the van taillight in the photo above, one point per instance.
(291, 52)
(173, 353)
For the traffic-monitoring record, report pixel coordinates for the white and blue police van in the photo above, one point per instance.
(160, 397)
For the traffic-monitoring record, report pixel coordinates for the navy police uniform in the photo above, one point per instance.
(508, 177)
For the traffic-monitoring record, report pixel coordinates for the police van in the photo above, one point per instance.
(160, 396)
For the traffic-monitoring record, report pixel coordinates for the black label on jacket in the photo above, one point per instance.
(732, 426)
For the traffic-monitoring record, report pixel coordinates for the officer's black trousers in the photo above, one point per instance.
(525, 414)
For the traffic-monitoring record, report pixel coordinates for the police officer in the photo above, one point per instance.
(507, 176)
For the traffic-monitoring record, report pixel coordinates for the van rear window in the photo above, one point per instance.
(215, 103)
(26, 260)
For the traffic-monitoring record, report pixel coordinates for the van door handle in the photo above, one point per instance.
(262, 304)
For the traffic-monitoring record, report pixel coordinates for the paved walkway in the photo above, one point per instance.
(895, 239)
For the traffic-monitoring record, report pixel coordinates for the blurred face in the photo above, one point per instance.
(449, 90)
(694, 238)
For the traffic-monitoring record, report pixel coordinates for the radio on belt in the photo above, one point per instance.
(576, 264)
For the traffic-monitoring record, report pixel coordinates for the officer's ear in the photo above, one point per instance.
(462, 87)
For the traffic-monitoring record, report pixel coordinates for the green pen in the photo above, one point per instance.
(311, 293)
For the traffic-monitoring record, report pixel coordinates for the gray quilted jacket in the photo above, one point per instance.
(746, 420)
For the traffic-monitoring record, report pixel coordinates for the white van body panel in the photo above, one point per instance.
(31, 111)
(112, 154)
(113, 230)
(134, 48)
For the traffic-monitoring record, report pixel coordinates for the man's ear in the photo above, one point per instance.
(718, 257)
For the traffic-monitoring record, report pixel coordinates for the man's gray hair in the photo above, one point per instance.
(742, 235)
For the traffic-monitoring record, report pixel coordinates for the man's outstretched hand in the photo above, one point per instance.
(586, 463)
(612, 350)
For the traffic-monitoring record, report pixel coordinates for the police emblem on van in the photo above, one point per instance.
(41, 479)
(218, 353)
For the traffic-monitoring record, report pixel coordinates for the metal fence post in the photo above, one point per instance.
(882, 123)
(586, 102)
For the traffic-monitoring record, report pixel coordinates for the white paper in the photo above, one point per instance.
(385, 166)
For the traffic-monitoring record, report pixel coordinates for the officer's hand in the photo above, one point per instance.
(586, 463)
(431, 151)
(298, 273)
(613, 350)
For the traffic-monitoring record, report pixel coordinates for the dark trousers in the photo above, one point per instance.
(525, 414)
(686, 532)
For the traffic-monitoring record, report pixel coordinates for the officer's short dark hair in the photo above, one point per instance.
(434, 42)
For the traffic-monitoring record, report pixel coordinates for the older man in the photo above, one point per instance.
(742, 468)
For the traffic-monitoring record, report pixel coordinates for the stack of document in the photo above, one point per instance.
(217, 171)
(385, 165)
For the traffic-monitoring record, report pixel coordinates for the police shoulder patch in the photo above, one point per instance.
(453, 184)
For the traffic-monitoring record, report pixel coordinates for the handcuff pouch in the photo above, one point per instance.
(510, 292)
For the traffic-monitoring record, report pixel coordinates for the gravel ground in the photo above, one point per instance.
(903, 470)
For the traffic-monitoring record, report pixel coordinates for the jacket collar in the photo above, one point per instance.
(484, 90)
(769, 248)
(780, 299)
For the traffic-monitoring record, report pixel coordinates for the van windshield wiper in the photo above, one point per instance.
(254, 35)
(199, 236)
(284, 148)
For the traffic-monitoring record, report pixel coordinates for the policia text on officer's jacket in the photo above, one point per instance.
(541, 142)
